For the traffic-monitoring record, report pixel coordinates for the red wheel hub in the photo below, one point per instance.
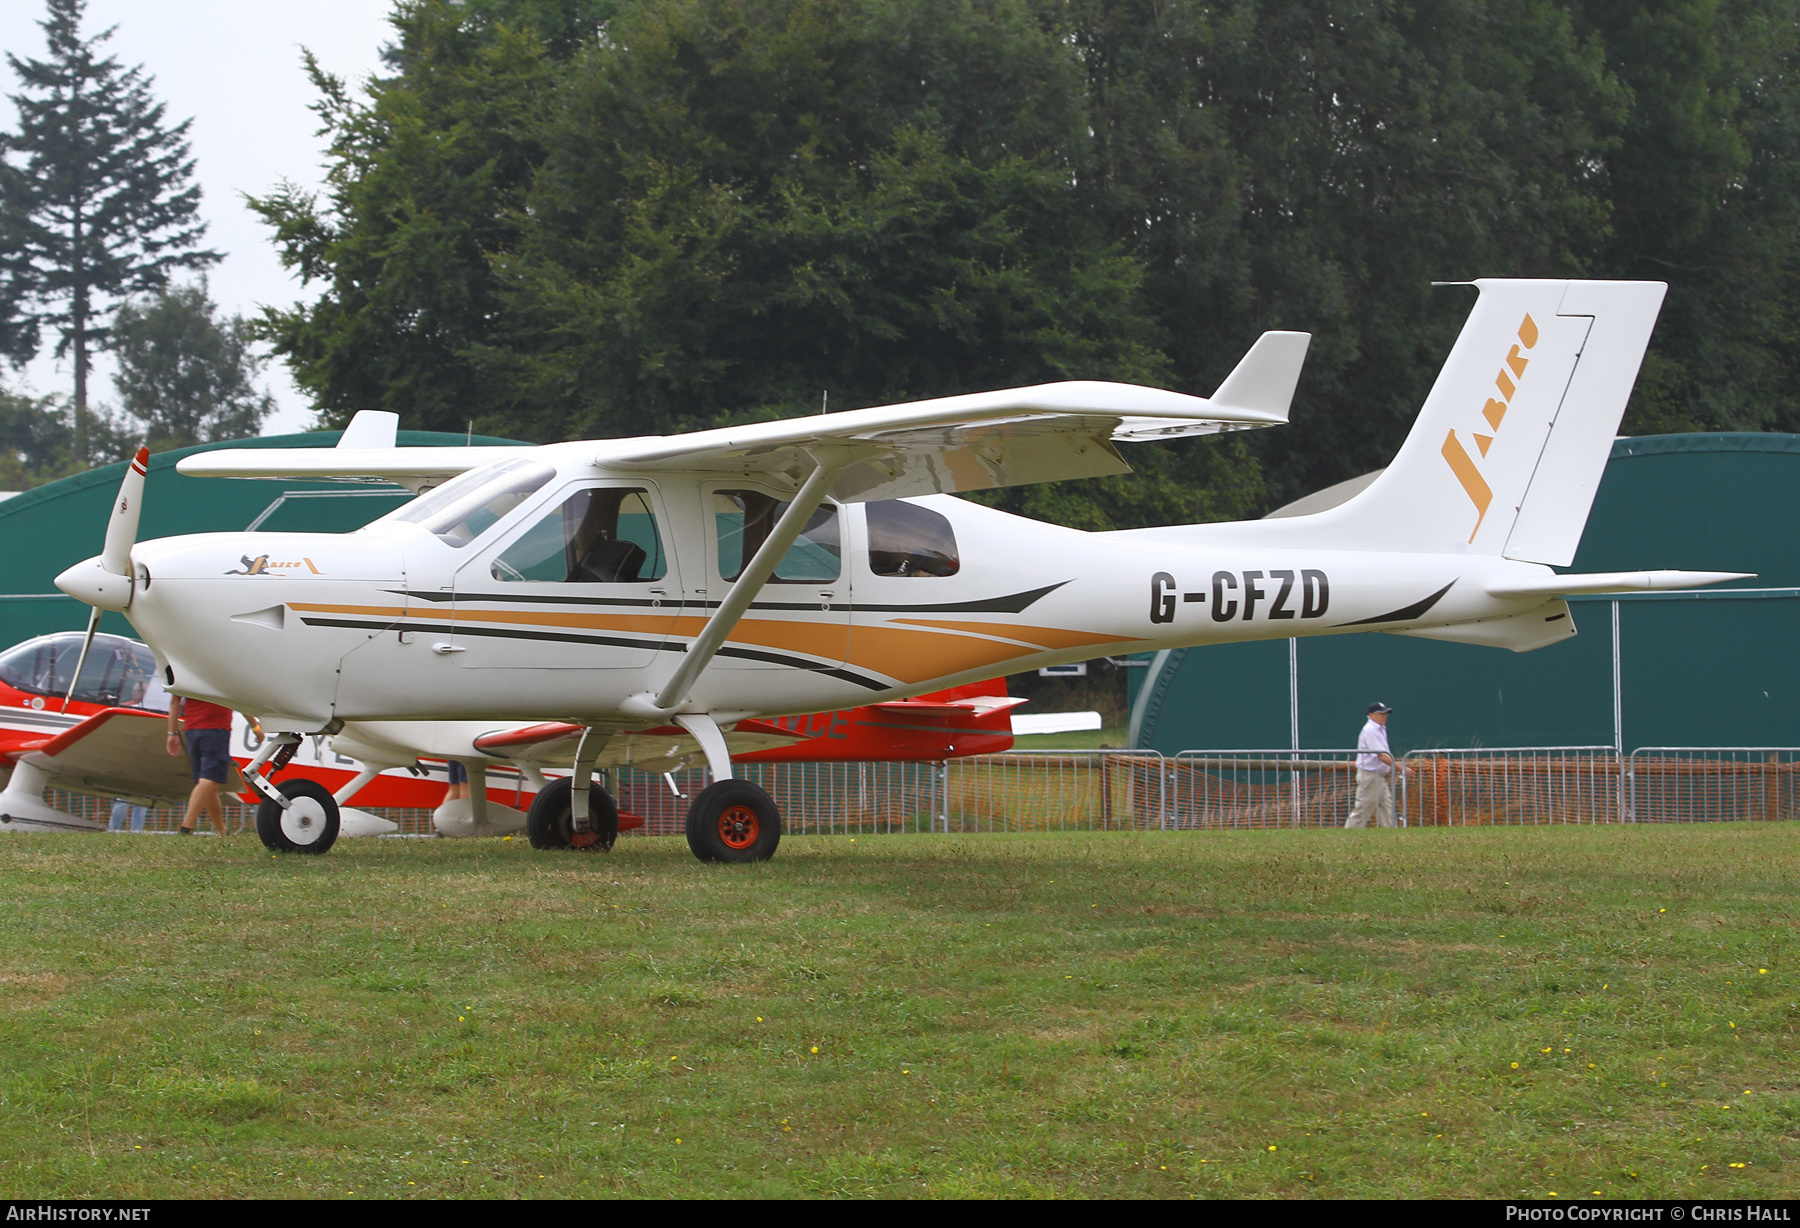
(739, 826)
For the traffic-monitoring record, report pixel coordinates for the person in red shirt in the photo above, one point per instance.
(208, 729)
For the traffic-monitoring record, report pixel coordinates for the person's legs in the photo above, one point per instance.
(1365, 799)
(1384, 802)
(138, 814)
(207, 792)
(209, 752)
(121, 809)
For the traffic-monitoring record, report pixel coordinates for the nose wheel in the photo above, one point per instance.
(550, 823)
(307, 824)
(733, 820)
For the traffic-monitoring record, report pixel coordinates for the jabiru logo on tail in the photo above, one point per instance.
(1512, 371)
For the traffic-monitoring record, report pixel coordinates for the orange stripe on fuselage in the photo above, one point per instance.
(897, 652)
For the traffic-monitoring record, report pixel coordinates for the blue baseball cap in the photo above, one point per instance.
(1378, 706)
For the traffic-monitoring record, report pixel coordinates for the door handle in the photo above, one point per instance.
(444, 650)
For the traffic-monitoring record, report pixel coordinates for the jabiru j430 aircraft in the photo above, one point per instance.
(748, 572)
(80, 714)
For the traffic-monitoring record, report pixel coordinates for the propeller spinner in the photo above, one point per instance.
(106, 581)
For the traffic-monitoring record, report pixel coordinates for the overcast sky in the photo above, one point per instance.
(234, 67)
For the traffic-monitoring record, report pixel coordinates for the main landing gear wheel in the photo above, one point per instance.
(309, 824)
(733, 820)
(550, 824)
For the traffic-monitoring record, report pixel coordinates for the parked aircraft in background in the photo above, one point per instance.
(627, 586)
(97, 737)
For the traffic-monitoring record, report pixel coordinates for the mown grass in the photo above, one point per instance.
(1496, 1012)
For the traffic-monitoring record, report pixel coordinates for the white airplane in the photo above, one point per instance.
(695, 581)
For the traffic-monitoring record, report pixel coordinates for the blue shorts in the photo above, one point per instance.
(459, 775)
(209, 753)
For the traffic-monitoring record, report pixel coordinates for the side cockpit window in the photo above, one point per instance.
(744, 519)
(465, 507)
(908, 540)
(598, 536)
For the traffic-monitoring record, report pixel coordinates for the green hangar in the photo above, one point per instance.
(53, 526)
(1713, 668)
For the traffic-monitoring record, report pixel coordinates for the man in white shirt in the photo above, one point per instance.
(1374, 772)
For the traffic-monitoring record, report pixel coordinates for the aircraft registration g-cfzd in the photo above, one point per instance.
(690, 582)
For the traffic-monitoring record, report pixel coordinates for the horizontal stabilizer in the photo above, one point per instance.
(1612, 582)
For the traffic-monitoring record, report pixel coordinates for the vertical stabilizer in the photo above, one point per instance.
(1510, 444)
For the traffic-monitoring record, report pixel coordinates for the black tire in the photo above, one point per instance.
(733, 820)
(550, 824)
(308, 825)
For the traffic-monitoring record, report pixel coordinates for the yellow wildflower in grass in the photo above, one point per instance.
(1271, 1146)
(815, 1048)
(1515, 1065)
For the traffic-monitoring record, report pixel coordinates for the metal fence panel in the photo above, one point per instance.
(1200, 790)
(1700, 784)
(1261, 788)
(1512, 785)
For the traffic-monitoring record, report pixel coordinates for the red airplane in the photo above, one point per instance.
(98, 734)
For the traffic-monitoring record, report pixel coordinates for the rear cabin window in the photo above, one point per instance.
(908, 540)
(599, 536)
(745, 518)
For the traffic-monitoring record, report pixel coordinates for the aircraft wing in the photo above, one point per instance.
(973, 442)
(666, 748)
(120, 752)
(1006, 438)
(968, 720)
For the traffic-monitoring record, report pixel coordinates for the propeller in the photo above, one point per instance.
(93, 626)
(105, 581)
(121, 530)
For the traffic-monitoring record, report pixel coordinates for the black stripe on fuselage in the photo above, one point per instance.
(1012, 603)
(608, 641)
(1405, 614)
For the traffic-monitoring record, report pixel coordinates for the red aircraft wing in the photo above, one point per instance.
(118, 752)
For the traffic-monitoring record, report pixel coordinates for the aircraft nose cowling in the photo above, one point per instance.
(91, 583)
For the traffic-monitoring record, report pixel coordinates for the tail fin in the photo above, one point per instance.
(1508, 450)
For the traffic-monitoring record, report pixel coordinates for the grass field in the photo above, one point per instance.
(1498, 1012)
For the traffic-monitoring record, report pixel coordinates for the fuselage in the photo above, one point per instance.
(572, 590)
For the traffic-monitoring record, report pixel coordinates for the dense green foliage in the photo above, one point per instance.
(1488, 1012)
(96, 199)
(185, 375)
(567, 217)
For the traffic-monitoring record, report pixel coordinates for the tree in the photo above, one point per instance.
(185, 375)
(34, 441)
(98, 199)
(571, 217)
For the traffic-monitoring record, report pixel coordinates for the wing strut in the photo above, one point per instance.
(827, 464)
